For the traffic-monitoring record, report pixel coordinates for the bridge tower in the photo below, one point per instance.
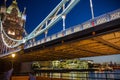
(13, 21)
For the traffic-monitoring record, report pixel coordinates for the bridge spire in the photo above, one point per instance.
(15, 1)
(24, 15)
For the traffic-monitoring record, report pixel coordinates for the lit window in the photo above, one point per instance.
(11, 32)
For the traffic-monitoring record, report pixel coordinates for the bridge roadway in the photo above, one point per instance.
(98, 40)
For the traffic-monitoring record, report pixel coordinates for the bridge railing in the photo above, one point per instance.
(88, 24)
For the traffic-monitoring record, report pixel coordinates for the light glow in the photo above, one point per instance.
(11, 32)
(13, 55)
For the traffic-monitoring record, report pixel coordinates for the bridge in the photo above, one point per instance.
(96, 37)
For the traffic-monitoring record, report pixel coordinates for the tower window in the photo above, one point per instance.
(11, 32)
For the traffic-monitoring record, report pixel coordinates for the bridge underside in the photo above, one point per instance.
(97, 41)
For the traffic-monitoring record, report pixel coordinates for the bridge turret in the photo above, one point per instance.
(14, 8)
(13, 24)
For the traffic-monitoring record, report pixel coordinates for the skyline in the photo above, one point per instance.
(105, 58)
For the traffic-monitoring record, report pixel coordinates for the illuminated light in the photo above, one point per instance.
(13, 55)
(24, 17)
(93, 33)
(11, 33)
(24, 40)
(63, 16)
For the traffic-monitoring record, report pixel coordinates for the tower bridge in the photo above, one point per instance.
(96, 37)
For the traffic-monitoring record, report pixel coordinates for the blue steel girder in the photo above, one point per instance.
(52, 18)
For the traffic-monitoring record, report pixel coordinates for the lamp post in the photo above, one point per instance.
(13, 56)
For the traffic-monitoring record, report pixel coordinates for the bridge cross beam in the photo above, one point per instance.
(54, 17)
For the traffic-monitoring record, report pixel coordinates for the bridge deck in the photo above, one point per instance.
(100, 40)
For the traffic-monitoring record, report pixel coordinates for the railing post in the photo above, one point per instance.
(106, 76)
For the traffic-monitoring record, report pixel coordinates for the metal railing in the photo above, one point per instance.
(88, 24)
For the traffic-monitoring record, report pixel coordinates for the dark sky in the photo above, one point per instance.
(37, 10)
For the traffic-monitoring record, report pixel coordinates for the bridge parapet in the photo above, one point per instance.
(88, 24)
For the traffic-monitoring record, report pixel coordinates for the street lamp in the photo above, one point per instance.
(13, 56)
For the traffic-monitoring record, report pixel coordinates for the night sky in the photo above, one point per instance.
(37, 10)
